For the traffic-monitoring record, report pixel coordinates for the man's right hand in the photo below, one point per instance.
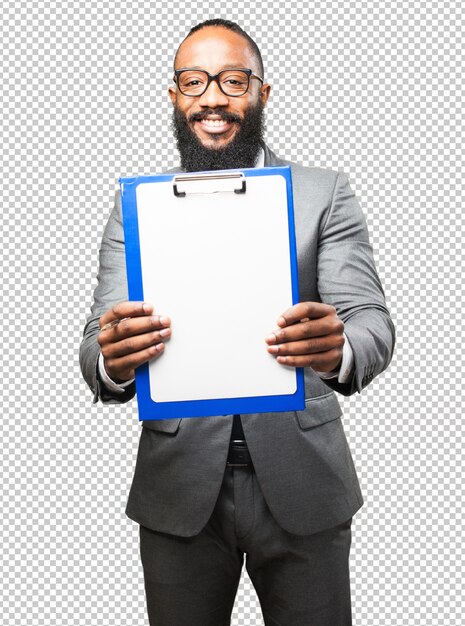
(132, 341)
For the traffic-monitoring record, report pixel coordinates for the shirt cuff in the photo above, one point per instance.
(107, 381)
(345, 369)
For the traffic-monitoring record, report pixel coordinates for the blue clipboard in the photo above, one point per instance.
(216, 252)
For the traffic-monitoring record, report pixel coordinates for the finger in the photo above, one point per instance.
(135, 343)
(133, 326)
(310, 310)
(323, 361)
(139, 325)
(304, 330)
(122, 368)
(125, 309)
(307, 346)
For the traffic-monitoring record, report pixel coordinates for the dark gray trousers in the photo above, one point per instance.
(299, 580)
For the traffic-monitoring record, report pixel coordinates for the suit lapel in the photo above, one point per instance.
(271, 158)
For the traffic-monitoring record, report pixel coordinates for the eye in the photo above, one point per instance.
(189, 80)
(234, 81)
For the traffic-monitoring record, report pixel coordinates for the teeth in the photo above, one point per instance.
(214, 122)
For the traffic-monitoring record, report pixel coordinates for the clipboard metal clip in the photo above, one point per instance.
(234, 176)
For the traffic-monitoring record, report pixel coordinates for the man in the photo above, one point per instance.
(285, 492)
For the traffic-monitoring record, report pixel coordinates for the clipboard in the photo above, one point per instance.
(216, 252)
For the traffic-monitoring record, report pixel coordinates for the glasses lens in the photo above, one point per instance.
(192, 82)
(234, 82)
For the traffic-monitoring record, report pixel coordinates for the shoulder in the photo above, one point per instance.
(316, 177)
(308, 178)
(317, 183)
(326, 191)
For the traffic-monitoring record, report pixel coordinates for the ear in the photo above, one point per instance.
(265, 90)
(172, 94)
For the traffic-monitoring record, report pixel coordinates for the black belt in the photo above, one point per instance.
(238, 455)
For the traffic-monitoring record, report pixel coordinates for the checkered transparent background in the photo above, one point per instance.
(370, 88)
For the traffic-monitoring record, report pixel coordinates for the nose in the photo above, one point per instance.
(213, 97)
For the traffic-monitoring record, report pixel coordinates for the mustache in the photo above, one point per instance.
(224, 115)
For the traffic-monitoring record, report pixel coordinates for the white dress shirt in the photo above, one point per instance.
(343, 374)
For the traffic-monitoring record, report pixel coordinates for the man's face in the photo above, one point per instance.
(213, 120)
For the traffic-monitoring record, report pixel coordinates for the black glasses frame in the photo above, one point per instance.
(215, 77)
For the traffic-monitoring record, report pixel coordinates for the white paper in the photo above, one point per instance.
(218, 264)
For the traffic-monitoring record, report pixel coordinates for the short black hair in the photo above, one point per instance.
(230, 26)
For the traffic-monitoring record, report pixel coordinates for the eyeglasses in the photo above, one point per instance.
(233, 82)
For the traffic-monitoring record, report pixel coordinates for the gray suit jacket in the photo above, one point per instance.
(301, 458)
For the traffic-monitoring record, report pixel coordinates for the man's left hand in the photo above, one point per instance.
(310, 334)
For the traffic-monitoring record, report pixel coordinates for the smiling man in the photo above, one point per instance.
(219, 101)
(277, 488)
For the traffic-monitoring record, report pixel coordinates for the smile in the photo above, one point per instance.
(214, 126)
(215, 123)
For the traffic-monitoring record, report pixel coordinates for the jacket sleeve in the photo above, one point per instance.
(111, 289)
(347, 279)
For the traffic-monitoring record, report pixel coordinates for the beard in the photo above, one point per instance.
(242, 151)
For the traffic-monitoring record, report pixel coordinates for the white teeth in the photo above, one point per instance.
(214, 122)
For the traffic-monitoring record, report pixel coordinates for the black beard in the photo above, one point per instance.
(241, 152)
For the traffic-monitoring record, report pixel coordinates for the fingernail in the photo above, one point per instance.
(165, 321)
(271, 338)
(281, 321)
(146, 307)
(165, 332)
(273, 349)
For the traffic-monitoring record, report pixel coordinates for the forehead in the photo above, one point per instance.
(213, 48)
